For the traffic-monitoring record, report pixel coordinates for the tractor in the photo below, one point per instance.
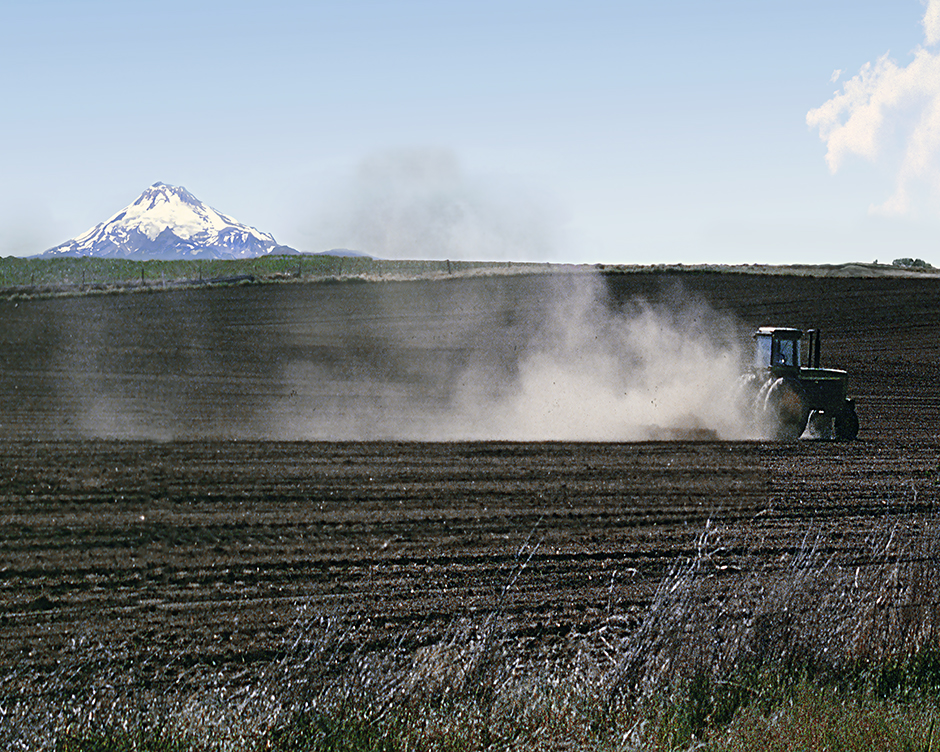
(787, 398)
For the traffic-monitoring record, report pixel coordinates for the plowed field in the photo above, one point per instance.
(203, 548)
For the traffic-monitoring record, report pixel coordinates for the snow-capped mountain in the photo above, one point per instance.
(168, 222)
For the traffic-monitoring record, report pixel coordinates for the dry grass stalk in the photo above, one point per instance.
(706, 623)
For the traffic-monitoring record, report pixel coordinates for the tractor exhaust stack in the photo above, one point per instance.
(814, 348)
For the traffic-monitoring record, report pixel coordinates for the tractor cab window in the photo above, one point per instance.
(786, 352)
(762, 351)
(771, 351)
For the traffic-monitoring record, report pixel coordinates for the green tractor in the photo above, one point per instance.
(787, 398)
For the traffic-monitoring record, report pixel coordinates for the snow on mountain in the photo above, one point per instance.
(167, 222)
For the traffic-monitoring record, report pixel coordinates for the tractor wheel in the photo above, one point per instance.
(847, 422)
(786, 409)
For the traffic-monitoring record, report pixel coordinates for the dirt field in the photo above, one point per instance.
(191, 541)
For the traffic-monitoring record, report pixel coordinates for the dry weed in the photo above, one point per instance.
(699, 659)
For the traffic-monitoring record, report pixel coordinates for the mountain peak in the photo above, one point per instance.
(167, 221)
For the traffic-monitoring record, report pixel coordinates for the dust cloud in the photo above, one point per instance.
(580, 371)
(646, 373)
(552, 356)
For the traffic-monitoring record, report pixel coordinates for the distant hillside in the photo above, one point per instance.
(69, 275)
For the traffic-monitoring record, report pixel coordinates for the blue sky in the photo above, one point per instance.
(577, 132)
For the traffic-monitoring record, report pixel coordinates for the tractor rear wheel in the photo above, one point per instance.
(847, 422)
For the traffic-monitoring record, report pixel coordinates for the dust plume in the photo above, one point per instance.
(576, 370)
(645, 373)
(549, 356)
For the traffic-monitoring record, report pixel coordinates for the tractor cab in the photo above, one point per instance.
(777, 348)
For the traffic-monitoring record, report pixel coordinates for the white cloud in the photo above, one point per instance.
(932, 22)
(835, 75)
(890, 115)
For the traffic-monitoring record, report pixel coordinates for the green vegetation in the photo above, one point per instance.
(911, 263)
(70, 275)
(124, 740)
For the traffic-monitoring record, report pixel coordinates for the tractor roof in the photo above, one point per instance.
(779, 332)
